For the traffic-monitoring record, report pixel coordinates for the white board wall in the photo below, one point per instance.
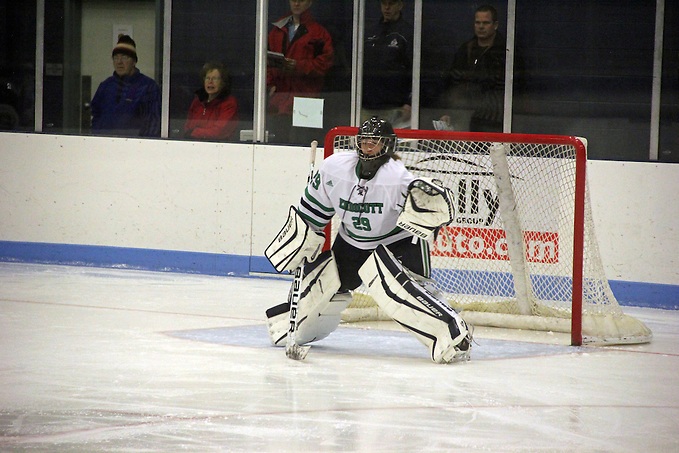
(233, 198)
(126, 193)
(637, 219)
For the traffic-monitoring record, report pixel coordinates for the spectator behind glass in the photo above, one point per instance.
(213, 114)
(128, 102)
(476, 80)
(387, 67)
(307, 55)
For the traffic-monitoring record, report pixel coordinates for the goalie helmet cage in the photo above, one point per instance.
(521, 252)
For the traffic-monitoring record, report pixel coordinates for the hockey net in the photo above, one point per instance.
(521, 252)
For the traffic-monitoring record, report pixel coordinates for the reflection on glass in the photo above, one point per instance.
(17, 66)
(577, 80)
(387, 64)
(462, 66)
(569, 78)
(202, 33)
(128, 102)
(668, 146)
(79, 38)
(300, 55)
(475, 82)
(213, 114)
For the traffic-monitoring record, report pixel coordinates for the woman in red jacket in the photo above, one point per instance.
(213, 114)
(307, 56)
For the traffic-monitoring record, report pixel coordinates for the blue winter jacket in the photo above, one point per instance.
(128, 106)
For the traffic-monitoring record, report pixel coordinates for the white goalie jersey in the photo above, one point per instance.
(368, 209)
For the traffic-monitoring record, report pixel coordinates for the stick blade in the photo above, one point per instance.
(296, 352)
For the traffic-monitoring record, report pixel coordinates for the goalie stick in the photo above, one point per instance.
(292, 349)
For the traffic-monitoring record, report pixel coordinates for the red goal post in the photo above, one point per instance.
(522, 252)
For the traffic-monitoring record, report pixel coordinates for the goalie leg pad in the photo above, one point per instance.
(428, 206)
(428, 318)
(319, 307)
(293, 243)
(321, 323)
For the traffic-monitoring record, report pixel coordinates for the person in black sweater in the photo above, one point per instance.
(387, 67)
(476, 79)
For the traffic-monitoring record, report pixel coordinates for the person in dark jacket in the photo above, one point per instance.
(213, 114)
(476, 79)
(128, 102)
(301, 54)
(387, 67)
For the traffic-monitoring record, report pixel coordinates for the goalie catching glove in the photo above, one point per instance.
(428, 206)
(293, 243)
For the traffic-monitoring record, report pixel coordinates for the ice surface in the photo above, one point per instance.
(131, 361)
(380, 343)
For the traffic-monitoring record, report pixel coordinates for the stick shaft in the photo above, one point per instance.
(292, 349)
(312, 160)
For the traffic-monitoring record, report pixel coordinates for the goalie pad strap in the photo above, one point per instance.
(429, 319)
(293, 243)
(319, 307)
(428, 206)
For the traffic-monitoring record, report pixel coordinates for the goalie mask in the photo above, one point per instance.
(375, 145)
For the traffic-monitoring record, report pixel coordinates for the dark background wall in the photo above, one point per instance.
(582, 67)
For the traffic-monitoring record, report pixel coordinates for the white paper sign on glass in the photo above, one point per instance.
(307, 112)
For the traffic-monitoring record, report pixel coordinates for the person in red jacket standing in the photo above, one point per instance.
(213, 114)
(301, 54)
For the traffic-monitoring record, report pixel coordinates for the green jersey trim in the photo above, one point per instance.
(317, 203)
(311, 220)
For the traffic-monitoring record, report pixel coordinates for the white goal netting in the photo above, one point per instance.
(508, 259)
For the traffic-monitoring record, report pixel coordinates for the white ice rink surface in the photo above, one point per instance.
(128, 361)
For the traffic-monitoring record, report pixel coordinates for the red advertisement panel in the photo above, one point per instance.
(491, 244)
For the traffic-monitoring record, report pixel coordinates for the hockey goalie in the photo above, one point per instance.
(388, 218)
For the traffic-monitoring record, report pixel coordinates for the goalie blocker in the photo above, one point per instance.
(404, 299)
(428, 207)
(293, 243)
